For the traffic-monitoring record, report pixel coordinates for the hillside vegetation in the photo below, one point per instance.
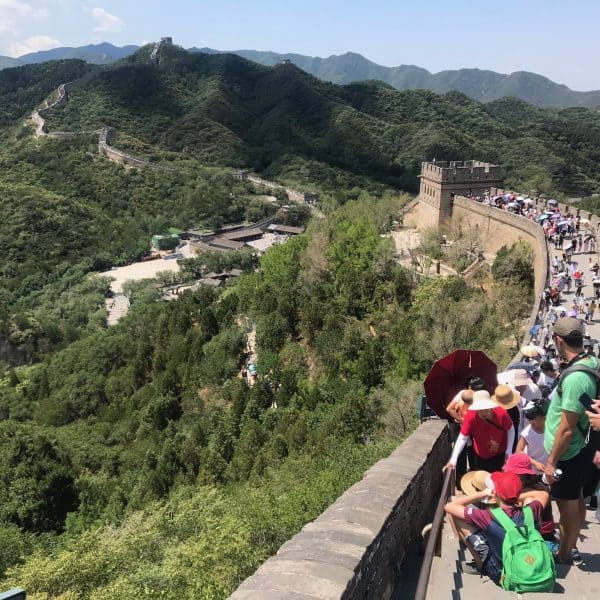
(135, 461)
(284, 122)
(350, 67)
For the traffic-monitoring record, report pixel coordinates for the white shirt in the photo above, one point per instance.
(545, 380)
(535, 445)
(532, 392)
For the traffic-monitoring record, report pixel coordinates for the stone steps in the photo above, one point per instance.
(581, 582)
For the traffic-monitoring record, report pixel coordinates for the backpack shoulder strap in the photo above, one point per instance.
(578, 367)
(528, 518)
(505, 521)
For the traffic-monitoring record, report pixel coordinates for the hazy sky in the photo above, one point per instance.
(556, 38)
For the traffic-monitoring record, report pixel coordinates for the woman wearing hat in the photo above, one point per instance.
(491, 430)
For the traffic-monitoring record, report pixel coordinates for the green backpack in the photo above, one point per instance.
(528, 564)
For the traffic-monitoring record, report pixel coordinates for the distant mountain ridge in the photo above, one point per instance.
(98, 54)
(480, 85)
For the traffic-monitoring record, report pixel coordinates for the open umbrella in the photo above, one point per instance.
(528, 366)
(556, 216)
(449, 374)
(552, 202)
(544, 217)
(572, 313)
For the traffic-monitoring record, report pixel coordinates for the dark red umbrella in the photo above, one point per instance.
(448, 375)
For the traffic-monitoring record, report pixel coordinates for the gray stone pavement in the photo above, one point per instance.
(580, 582)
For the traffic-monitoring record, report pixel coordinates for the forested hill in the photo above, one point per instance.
(478, 84)
(23, 88)
(135, 461)
(224, 109)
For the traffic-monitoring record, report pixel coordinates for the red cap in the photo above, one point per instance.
(519, 464)
(507, 486)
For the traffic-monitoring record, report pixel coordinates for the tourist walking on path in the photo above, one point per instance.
(565, 432)
(592, 309)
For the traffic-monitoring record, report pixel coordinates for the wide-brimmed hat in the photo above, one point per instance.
(530, 351)
(473, 482)
(482, 401)
(506, 397)
(519, 377)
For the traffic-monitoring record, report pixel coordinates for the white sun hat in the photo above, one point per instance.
(482, 401)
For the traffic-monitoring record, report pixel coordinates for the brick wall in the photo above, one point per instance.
(355, 549)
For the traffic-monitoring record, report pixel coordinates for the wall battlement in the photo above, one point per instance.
(457, 171)
(442, 181)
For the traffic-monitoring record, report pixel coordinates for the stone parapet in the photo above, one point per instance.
(355, 549)
(497, 228)
(456, 171)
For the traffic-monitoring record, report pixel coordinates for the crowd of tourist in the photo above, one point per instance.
(534, 441)
(536, 426)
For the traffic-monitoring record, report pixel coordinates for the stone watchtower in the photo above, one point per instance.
(441, 181)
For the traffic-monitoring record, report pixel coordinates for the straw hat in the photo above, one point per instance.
(473, 482)
(506, 397)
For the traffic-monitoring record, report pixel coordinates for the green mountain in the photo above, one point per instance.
(480, 85)
(223, 109)
(98, 54)
(7, 61)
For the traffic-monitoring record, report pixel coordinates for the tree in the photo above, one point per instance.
(515, 265)
(39, 489)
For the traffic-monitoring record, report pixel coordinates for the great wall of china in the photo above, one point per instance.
(107, 134)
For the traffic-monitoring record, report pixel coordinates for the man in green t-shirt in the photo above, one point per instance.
(565, 433)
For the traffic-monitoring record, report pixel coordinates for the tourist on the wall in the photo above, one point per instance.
(480, 527)
(565, 437)
(491, 431)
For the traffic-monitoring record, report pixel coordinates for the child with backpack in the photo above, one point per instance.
(507, 537)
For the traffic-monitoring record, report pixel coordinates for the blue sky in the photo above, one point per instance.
(556, 38)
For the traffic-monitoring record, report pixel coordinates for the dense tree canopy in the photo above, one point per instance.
(135, 460)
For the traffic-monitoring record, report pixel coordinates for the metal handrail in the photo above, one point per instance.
(432, 547)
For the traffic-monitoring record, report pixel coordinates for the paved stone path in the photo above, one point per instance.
(578, 582)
